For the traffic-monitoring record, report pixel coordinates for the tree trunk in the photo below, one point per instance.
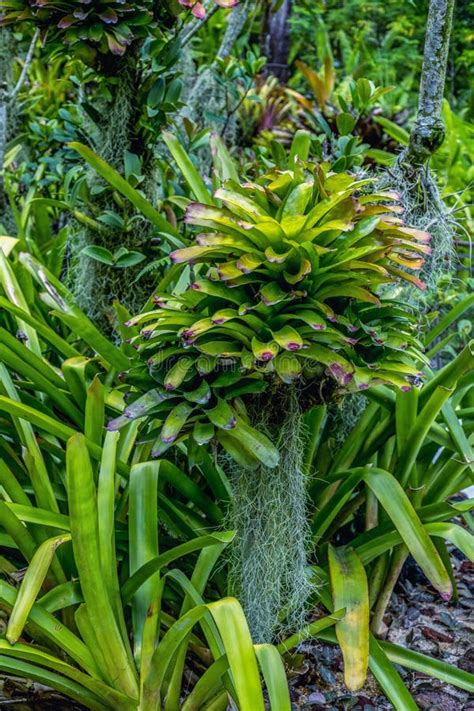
(424, 207)
(276, 40)
(95, 285)
(6, 62)
(428, 131)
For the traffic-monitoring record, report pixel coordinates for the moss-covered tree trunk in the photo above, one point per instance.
(6, 84)
(206, 96)
(9, 91)
(428, 130)
(411, 176)
(95, 285)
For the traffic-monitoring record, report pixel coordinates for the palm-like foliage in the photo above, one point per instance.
(285, 289)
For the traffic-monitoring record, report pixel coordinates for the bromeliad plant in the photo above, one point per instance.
(107, 611)
(58, 380)
(284, 289)
(278, 307)
(87, 27)
(91, 29)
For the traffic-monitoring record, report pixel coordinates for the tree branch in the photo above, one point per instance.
(428, 131)
(26, 66)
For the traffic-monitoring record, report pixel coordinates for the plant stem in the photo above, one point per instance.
(377, 576)
(396, 564)
(371, 511)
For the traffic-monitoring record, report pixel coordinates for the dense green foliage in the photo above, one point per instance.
(236, 367)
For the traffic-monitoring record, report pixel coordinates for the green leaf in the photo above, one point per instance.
(274, 674)
(129, 259)
(84, 529)
(232, 625)
(16, 296)
(143, 544)
(393, 129)
(258, 443)
(69, 688)
(58, 634)
(448, 673)
(175, 422)
(398, 506)
(288, 367)
(389, 679)
(31, 585)
(222, 415)
(203, 432)
(288, 338)
(190, 173)
(345, 123)
(237, 449)
(300, 147)
(177, 373)
(146, 571)
(311, 630)
(68, 311)
(350, 591)
(43, 660)
(223, 163)
(106, 522)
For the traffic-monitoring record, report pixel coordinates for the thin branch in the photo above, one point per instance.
(26, 66)
(197, 24)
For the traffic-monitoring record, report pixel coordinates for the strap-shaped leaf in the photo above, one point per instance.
(398, 506)
(350, 591)
(31, 585)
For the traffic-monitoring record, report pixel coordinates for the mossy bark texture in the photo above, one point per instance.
(428, 131)
(205, 97)
(95, 285)
(6, 79)
(411, 176)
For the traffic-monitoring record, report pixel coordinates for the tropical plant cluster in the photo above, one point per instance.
(236, 386)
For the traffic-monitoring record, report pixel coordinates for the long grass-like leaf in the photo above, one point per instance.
(85, 538)
(69, 312)
(427, 665)
(15, 295)
(350, 591)
(30, 653)
(398, 506)
(233, 628)
(31, 585)
(389, 679)
(39, 474)
(274, 674)
(51, 628)
(73, 690)
(143, 542)
(150, 568)
(187, 168)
